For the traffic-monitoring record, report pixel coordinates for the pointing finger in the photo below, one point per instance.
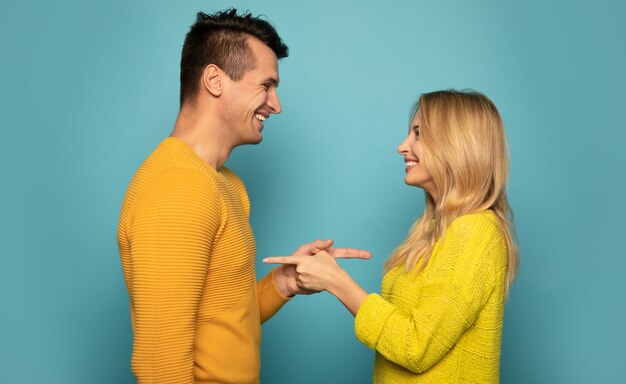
(282, 260)
(349, 253)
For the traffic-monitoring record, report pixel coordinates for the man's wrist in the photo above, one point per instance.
(280, 281)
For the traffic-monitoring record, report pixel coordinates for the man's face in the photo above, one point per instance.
(251, 100)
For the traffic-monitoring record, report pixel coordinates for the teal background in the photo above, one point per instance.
(89, 88)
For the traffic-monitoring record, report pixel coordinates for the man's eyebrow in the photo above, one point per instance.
(272, 80)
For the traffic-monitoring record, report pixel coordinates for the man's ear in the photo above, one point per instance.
(212, 79)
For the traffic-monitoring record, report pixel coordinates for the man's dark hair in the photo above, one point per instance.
(221, 39)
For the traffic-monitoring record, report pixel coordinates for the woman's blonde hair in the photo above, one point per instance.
(465, 151)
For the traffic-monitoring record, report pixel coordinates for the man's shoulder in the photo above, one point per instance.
(178, 191)
(171, 161)
(231, 176)
(169, 172)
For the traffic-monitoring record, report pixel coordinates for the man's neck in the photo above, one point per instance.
(201, 132)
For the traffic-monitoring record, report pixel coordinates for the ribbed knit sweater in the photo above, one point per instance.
(443, 324)
(187, 253)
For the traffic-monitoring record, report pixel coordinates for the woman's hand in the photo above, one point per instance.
(285, 276)
(320, 272)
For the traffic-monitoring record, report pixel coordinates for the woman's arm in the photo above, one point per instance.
(419, 331)
(432, 313)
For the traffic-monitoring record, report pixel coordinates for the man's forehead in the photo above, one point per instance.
(260, 48)
(266, 61)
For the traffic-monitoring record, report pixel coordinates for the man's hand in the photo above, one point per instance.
(285, 275)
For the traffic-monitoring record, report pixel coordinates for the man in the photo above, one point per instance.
(185, 241)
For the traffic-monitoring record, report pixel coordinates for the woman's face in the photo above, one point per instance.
(413, 152)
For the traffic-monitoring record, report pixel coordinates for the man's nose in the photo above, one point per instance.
(274, 102)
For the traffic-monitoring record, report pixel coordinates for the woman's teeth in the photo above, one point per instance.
(411, 163)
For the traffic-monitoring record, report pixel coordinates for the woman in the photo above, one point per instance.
(439, 315)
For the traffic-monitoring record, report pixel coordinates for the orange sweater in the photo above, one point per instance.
(188, 253)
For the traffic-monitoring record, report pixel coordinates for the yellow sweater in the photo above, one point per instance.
(443, 325)
(188, 253)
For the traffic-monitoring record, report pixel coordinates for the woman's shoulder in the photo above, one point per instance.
(485, 218)
(483, 224)
(472, 236)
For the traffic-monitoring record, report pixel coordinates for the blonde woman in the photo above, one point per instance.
(439, 316)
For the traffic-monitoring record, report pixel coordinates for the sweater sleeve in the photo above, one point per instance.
(175, 220)
(461, 278)
(270, 299)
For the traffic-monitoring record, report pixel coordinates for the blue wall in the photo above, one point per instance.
(88, 89)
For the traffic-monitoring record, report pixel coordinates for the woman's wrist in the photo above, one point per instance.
(348, 292)
(339, 283)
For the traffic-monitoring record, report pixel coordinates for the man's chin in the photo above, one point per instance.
(254, 141)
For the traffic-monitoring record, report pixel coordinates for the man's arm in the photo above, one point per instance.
(175, 220)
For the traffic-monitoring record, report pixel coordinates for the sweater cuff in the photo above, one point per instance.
(270, 298)
(371, 318)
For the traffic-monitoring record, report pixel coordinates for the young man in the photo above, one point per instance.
(185, 241)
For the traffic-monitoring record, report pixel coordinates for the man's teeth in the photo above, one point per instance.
(260, 117)
(411, 163)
